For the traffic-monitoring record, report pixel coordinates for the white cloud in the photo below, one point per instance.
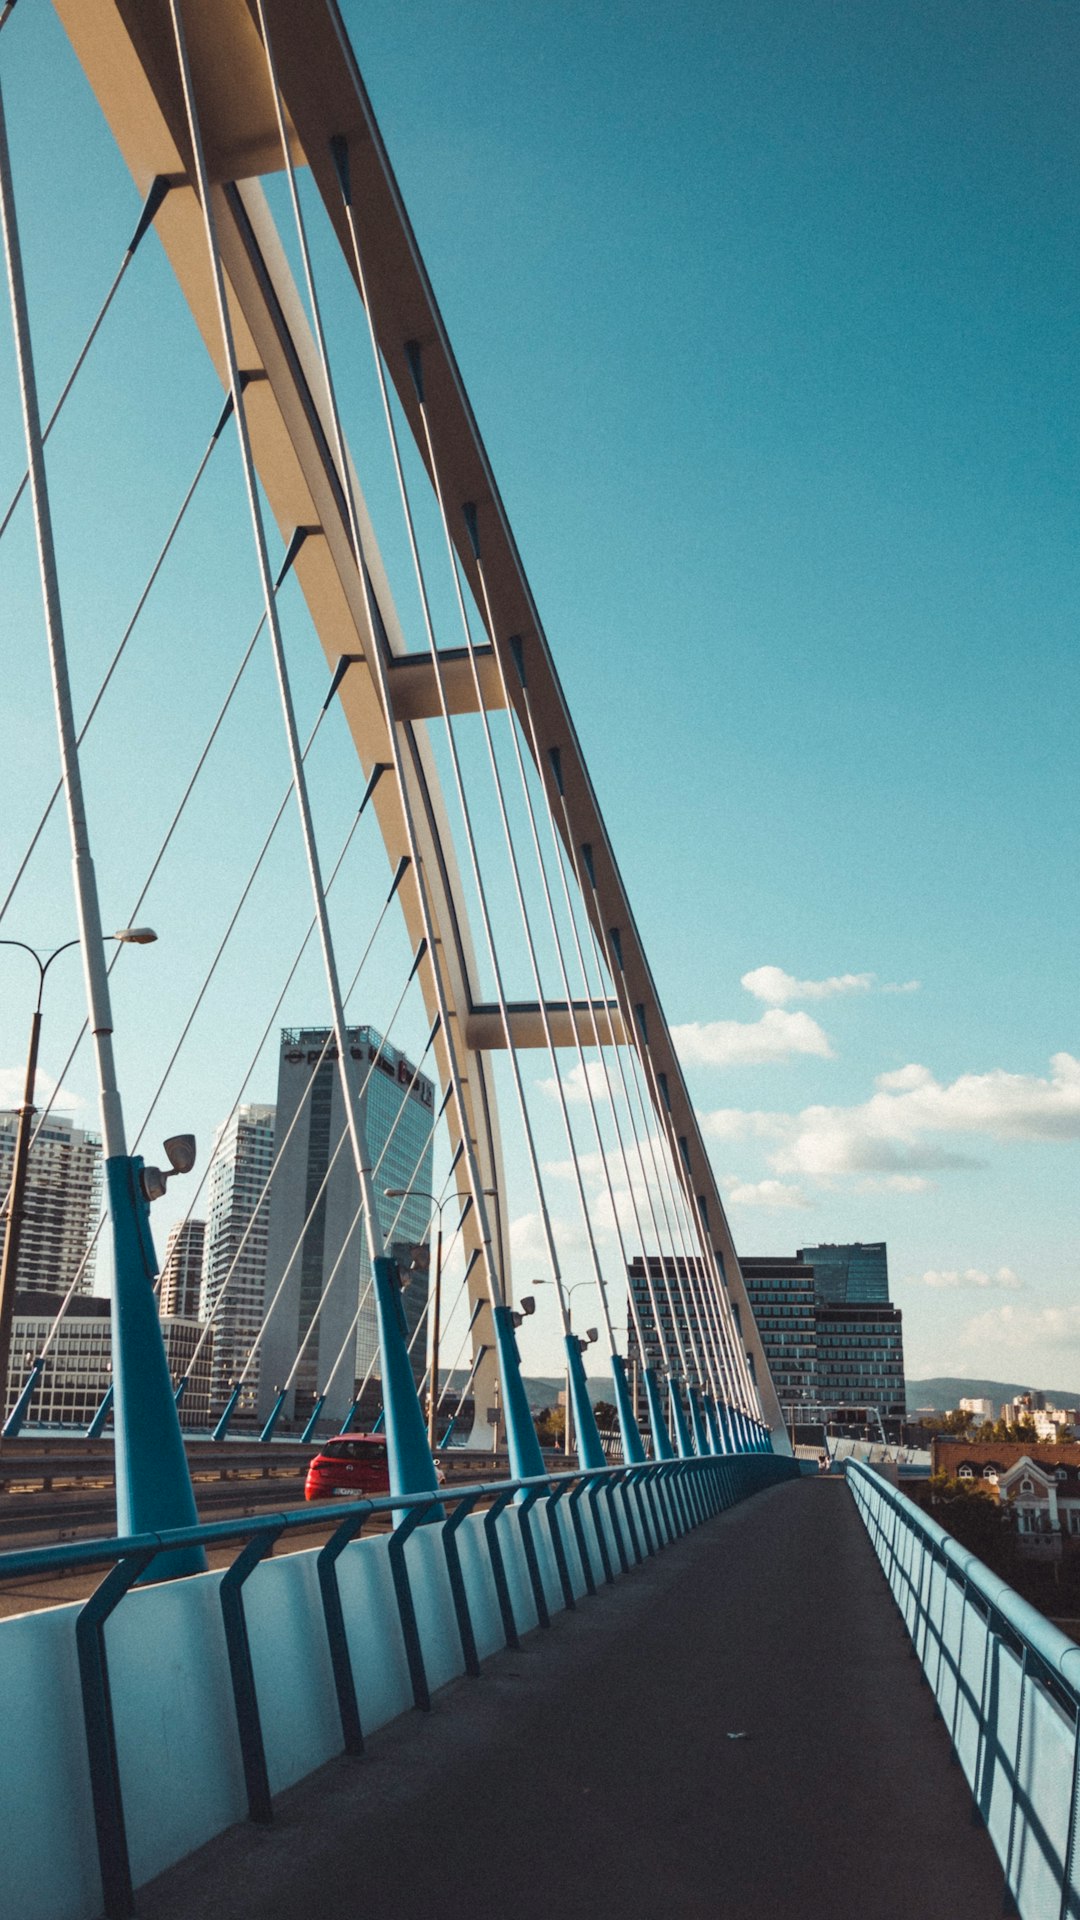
(529, 1248)
(776, 987)
(577, 1085)
(900, 986)
(890, 1140)
(726, 1043)
(961, 1279)
(772, 1194)
(1026, 1328)
(12, 1081)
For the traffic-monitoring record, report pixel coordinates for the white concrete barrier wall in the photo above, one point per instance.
(179, 1752)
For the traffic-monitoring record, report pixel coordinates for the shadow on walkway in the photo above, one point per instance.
(593, 1773)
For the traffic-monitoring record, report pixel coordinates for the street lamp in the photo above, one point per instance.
(406, 1193)
(128, 936)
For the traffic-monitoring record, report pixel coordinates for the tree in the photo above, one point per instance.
(607, 1418)
(551, 1426)
(958, 1422)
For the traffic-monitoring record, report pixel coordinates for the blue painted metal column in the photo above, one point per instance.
(153, 1485)
(274, 1415)
(633, 1450)
(590, 1451)
(222, 1428)
(697, 1422)
(14, 1421)
(526, 1459)
(412, 1469)
(684, 1444)
(715, 1429)
(97, 1424)
(309, 1429)
(661, 1438)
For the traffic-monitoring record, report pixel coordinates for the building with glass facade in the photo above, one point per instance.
(61, 1203)
(318, 1271)
(781, 1293)
(860, 1363)
(234, 1259)
(78, 1366)
(181, 1271)
(854, 1275)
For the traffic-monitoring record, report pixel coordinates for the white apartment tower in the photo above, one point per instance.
(61, 1205)
(181, 1272)
(234, 1260)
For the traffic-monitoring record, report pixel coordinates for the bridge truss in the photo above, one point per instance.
(245, 125)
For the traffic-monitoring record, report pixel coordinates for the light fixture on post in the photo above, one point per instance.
(180, 1151)
(127, 936)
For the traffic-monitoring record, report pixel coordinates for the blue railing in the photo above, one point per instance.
(568, 1533)
(1007, 1685)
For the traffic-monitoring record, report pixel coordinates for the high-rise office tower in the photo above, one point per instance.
(320, 1271)
(181, 1272)
(60, 1206)
(851, 1276)
(234, 1260)
(781, 1293)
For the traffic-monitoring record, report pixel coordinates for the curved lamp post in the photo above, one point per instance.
(129, 936)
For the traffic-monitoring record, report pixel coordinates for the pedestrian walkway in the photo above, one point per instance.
(736, 1731)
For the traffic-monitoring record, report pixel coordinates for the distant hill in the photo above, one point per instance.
(946, 1392)
(543, 1390)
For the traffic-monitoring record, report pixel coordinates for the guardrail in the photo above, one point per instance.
(215, 1691)
(1007, 1685)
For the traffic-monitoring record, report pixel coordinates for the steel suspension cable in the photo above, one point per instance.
(377, 665)
(354, 1223)
(326, 943)
(366, 1190)
(117, 656)
(158, 189)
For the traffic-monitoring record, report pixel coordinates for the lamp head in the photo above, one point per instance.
(180, 1152)
(527, 1305)
(135, 936)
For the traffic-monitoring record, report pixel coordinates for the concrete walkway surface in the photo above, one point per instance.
(736, 1731)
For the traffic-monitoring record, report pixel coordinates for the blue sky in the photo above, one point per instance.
(768, 315)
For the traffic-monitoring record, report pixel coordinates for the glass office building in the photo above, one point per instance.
(318, 1272)
(856, 1275)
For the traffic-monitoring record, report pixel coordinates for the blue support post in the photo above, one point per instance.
(683, 1444)
(526, 1459)
(713, 1419)
(697, 1422)
(153, 1484)
(97, 1425)
(309, 1429)
(221, 1430)
(19, 1411)
(274, 1415)
(412, 1469)
(349, 1421)
(661, 1438)
(633, 1450)
(181, 1389)
(590, 1451)
(380, 1420)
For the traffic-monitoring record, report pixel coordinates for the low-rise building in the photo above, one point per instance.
(78, 1365)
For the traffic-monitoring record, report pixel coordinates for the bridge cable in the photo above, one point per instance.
(201, 180)
(493, 1269)
(159, 187)
(115, 661)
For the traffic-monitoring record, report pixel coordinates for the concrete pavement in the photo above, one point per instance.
(735, 1730)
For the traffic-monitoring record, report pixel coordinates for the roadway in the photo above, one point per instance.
(736, 1730)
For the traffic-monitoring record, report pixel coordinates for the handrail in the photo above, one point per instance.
(1054, 1649)
(66, 1555)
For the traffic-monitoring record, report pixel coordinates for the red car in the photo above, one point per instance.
(354, 1464)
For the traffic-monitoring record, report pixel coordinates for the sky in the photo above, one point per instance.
(768, 314)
